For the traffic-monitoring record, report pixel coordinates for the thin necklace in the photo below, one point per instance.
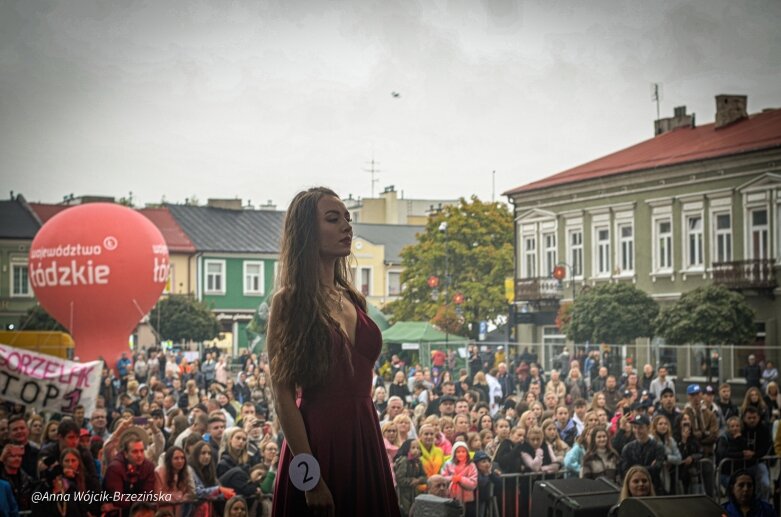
(339, 301)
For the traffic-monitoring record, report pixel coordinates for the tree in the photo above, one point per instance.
(36, 318)
(478, 245)
(181, 318)
(610, 313)
(712, 315)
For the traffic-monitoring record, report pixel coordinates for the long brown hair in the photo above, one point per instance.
(299, 339)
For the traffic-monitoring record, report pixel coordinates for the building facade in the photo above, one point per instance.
(389, 208)
(689, 207)
(18, 226)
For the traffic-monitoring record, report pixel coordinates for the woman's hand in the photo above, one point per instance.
(320, 501)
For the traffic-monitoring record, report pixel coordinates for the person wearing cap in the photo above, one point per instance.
(643, 450)
(666, 406)
(705, 429)
(709, 401)
(489, 482)
(660, 383)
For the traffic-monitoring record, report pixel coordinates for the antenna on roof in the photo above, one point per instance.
(656, 96)
(373, 171)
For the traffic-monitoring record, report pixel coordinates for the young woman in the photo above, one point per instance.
(67, 480)
(754, 398)
(50, 432)
(390, 436)
(556, 446)
(399, 387)
(461, 473)
(233, 450)
(173, 477)
(573, 460)
(600, 458)
(536, 454)
(743, 501)
(236, 507)
(502, 433)
(772, 400)
(323, 346)
(35, 423)
(661, 432)
(410, 477)
(637, 483)
(691, 453)
(485, 422)
(204, 479)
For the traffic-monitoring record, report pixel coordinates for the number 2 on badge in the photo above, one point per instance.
(304, 472)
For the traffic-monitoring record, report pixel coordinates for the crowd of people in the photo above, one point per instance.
(201, 434)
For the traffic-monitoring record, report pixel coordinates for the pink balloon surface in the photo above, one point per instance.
(98, 268)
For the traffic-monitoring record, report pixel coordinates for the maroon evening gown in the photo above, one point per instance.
(344, 435)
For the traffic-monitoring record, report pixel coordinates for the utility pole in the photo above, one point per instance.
(493, 186)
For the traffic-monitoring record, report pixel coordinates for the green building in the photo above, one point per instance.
(18, 226)
(235, 262)
(688, 207)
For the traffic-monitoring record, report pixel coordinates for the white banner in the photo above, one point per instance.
(48, 383)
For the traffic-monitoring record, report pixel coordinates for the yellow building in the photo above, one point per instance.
(377, 251)
(389, 208)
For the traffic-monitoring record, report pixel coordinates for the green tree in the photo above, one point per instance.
(610, 313)
(36, 318)
(181, 318)
(478, 245)
(711, 315)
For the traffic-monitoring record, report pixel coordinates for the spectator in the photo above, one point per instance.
(772, 400)
(647, 378)
(395, 407)
(173, 477)
(743, 499)
(67, 479)
(123, 366)
(536, 455)
(506, 380)
(461, 472)
(408, 470)
(758, 443)
(399, 387)
(731, 445)
(643, 450)
(565, 426)
(233, 451)
(8, 504)
(612, 394)
(214, 431)
(204, 475)
(432, 456)
(599, 382)
(573, 460)
(752, 373)
(390, 436)
(637, 483)
(556, 446)
(68, 437)
(236, 507)
(380, 403)
(488, 483)
(556, 386)
(576, 386)
(580, 407)
(769, 374)
(130, 472)
(691, 454)
(19, 434)
(99, 423)
(754, 399)
(600, 459)
(660, 383)
(661, 431)
(11, 471)
(438, 486)
(35, 424)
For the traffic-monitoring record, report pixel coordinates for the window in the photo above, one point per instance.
(394, 283)
(694, 256)
(215, 276)
(663, 254)
(551, 258)
(722, 228)
(576, 252)
(529, 257)
(365, 281)
(626, 259)
(602, 251)
(20, 280)
(759, 233)
(253, 278)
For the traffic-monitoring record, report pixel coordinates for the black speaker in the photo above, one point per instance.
(573, 497)
(699, 505)
(427, 505)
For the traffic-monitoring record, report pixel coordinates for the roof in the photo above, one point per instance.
(393, 236)
(224, 230)
(16, 220)
(46, 211)
(757, 132)
(173, 234)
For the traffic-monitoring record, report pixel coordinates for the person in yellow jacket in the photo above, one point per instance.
(431, 456)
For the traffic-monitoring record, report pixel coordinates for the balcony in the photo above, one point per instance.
(538, 290)
(746, 274)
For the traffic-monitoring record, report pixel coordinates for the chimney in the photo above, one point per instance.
(730, 108)
(269, 206)
(678, 120)
(228, 204)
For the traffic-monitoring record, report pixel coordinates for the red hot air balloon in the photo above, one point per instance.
(98, 269)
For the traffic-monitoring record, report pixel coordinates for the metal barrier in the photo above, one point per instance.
(689, 479)
(517, 491)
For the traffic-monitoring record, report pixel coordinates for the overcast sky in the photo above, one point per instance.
(259, 99)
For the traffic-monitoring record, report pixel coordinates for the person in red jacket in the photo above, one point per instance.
(128, 474)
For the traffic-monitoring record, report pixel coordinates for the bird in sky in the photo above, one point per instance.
(395, 95)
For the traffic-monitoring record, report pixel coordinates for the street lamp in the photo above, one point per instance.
(559, 273)
(443, 229)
